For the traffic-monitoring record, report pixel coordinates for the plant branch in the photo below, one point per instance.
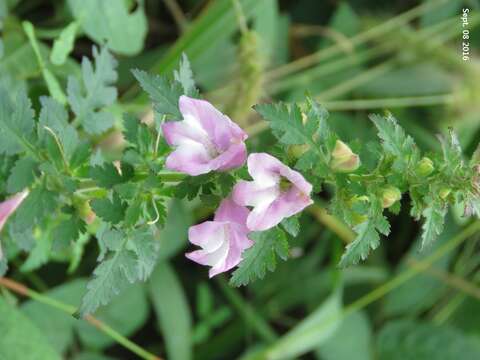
(69, 309)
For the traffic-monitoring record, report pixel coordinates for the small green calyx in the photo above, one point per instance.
(390, 195)
(343, 158)
(444, 192)
(425, 167)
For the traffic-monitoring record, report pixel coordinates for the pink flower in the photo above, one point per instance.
(276, 192)
(205, 140)
(8, 207)
(222, 240)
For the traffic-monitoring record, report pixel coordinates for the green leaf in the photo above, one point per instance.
(163, 93)
(66, 232)
(107, 175)
(432, 227)
(310, 131)
(54, 116)
(21, 339)
(57, 326)
(452, 153)
(173, 312)
(367, 239)
(95, 92)
(16, 123)
(145, 245)
(63, 45)
(262, 256)
(112, 211)
(39, 204)
(137, 133)
(352, 340)
(126, 314)
(291, 225)
(22, 175)
(124, 31)
(184, 76)
(311, 332)
(409, 339)
(110, 277)
(130, 257)
(395, 142)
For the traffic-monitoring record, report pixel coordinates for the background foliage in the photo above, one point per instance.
(354, 58)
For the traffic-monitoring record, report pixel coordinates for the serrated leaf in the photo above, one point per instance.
(110, 277)
(184, 76)
(433, 225)
(108, 175)
(291, 225)
(395, 141)
(66, 232)
(54, 116)
(112, 211)
(291, 127)
(16, 123)
(39, 204)
(452, 152)
(262, 256)
(137, 134)
(367, 239)
(163, 93)
(95, 92)
(123, 30)
(146, 247)
(22, 175)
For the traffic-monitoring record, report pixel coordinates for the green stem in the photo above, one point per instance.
(171, 177)
(69, 309)
(359, 39)
(390, 285)
(361, 104)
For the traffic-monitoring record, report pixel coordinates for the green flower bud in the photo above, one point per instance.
(444, 192)
(425, 167)
(298, 150)
(390, 195)
(343, 158)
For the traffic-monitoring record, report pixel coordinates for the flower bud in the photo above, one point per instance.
(390, 195)
(425, 167)
(343, 158)
(444, 192)
(298, 150)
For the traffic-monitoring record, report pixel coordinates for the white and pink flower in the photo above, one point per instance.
(276, 192)
(222, 240)
(205, 140)
(8, 207)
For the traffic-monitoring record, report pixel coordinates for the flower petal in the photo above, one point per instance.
(221, 130)
(209, 235)
(287, 204)
(177, 132)
(232, 212)
(190, 158)
(232, 158)
(264, 168)
(9, 206)
(251, 193)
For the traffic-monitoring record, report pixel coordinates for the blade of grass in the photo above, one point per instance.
(69, 309)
